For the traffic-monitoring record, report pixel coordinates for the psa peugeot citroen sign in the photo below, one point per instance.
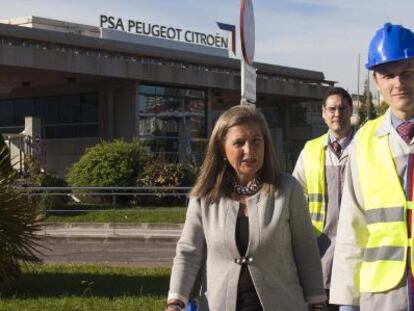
(170, 33)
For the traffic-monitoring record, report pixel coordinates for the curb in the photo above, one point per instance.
(104, 239)
(73, 226)
(108, 232)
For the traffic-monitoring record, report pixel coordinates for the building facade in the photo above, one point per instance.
(86, 84)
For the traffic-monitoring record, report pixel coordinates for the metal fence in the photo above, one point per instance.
(77, 192)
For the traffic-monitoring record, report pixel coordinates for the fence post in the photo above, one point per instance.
(45, 202)
(113, 198)
(113, 211)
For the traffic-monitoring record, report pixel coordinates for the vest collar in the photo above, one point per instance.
(344, 141)
(385, 126)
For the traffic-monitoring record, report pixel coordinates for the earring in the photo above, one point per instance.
(225, 159)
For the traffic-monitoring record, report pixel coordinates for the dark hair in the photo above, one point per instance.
(214, 179)
(341, 92)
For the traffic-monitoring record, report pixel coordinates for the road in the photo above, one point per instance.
(139, 245)
(108, 252)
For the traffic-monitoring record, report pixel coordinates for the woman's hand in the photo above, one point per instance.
(322, 306)
(175, 305)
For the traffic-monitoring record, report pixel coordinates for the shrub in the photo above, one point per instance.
(53, 201)
(18, 239)
(106, 164)
(35, 177)
(162, 174)
(5, 166)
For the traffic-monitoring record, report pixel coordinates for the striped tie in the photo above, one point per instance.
(406, 131)
(336, 147)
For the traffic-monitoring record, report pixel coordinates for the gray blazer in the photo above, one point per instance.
(285, 266)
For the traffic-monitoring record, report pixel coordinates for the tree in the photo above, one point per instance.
(18, 238)
(382, 108)
(367, 110)
(5, 165)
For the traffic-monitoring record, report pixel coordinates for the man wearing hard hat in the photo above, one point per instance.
(373, 259)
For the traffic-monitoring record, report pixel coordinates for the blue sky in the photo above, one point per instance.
(322, 35)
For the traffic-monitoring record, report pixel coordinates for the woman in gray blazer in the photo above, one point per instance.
(247, 231)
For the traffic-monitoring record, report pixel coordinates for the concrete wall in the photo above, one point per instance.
(64, 52)
(156, 72)
(59, 154)
(125, 111)
(116, 117)
(117, 109)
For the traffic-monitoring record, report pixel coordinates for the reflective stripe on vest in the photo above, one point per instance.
(385, 250)
(314, 163)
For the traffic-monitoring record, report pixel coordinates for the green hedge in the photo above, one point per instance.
(163, 174)
(34, 176)
(107, 164)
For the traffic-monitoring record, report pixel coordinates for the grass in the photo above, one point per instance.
(170, 215)
(87, 287)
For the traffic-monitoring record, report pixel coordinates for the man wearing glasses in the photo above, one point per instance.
(320, 170)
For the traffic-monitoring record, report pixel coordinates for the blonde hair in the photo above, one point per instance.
(216, 175)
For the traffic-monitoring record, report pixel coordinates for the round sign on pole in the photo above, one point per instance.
(247, 30)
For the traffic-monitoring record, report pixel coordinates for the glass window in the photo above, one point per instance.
(173, 104)
(198, 148)
(47, 109)
(167, 91)
(195, 94)
(6, 113)
(147, 104)
(161, 91)
(198, 127)
(146, 89)
(145, 126)
(89, 130)
(62, 116)
(89, 108)
(60, 131)
(195, 105)
(158, 104)
(167, 115)
(142, 103)
(169, 127)
(70, 109)
(11, 129)
(298, 115)
(22, 108)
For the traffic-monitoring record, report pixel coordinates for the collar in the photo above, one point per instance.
(396, 122)
(390, 122)
(385, 126)
(344, 141)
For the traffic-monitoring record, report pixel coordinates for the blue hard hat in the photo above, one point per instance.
(391, 43)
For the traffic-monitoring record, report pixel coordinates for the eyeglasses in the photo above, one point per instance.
(340, 109)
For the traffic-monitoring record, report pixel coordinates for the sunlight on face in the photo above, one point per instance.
(395, 81)
(244, 149)
(337, 115)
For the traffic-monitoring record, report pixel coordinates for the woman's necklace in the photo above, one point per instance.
(252, 187)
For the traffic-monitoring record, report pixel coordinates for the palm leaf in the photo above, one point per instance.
(19, 242)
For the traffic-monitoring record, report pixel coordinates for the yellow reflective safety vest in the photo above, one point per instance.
(385, 250)
(314, 163)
